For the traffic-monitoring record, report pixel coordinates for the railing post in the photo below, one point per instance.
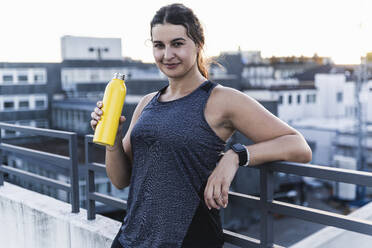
(74, 174)
(90, 187)
(266, 196)
(1, 163)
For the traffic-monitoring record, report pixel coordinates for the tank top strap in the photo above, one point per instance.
(208, 86)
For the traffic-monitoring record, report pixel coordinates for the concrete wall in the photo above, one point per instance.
(29, 219)
(329, 85)
(322, 139)
(331, 237)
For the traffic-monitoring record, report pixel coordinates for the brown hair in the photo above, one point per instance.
(178, 14)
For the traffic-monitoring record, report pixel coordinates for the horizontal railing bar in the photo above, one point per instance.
(322, 217)
(252, 201)
(97, 167)
(36, 131)
(36, 178)
(242, 240)
(323, 172)
(89, 137)
(109, 200)
(58, 160)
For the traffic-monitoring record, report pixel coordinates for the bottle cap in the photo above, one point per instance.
(119, 76)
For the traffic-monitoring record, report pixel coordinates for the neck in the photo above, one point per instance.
(185, 84)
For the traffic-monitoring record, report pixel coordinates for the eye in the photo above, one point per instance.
(158, 45)
(177, 44)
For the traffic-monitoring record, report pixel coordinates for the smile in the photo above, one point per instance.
(171, 66)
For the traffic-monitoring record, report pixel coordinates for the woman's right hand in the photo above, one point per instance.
(96, 116)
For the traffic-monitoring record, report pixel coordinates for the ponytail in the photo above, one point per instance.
(203, 65)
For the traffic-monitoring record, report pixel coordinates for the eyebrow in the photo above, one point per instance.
(176, 39)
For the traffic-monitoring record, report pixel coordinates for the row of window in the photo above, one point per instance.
(7, 79)
(23, 103)
(310, 98)
(23, 76)
(72, 120)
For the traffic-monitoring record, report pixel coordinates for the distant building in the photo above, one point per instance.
(26, 90)
(89, 48)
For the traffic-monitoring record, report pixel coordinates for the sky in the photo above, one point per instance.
(341, 29)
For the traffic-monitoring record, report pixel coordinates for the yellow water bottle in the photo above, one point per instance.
(113, 101)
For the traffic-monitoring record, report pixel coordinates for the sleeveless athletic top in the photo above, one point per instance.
(174, 152)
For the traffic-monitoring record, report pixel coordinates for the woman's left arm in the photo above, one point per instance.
(273, 140)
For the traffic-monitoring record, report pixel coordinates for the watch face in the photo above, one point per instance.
(238, 148)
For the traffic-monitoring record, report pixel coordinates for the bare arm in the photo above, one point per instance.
(274, 139)
(119, 157)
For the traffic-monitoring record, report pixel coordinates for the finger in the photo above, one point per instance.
(217, 195)
(98, 111)
(225, 194)
(122, 119)
(99, 104)
(95, 116)
(207, 195)
(93, 124)
(211, 199)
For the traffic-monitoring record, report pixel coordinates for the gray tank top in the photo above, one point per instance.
(174, 152)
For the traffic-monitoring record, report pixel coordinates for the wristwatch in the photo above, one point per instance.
(243, 154)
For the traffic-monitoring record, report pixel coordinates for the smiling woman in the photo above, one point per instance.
(172, 154)
(174, 52)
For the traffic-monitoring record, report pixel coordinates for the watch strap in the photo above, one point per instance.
(242, 153)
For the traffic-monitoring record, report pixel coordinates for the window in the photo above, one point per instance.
(10, 133)
(339, 96)
(23, 104)
(39, 104)
(22, 78)
(314, 98)
(280, 100)
(290, 99)
(8, 105)
(298, 98)
(39, 78)
(7, 78)
(311, 98)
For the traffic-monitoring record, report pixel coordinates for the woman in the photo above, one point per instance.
(171, 153)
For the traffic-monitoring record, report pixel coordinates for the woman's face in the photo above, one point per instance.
(174, 52)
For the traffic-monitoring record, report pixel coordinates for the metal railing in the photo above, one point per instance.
(70, 163)
(91, 195)
(265, 203)
(268, 206)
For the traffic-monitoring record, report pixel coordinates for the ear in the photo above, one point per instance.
(198, 48)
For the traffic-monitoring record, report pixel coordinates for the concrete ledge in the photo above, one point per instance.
(332, 237)
(30, 219)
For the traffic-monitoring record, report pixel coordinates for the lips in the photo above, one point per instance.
(171, 65)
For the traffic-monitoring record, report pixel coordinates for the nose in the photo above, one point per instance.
(168, 53)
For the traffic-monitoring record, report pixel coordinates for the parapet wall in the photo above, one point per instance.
(332, 237)
(29, 219)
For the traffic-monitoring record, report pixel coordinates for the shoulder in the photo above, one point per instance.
(229, 99)
(149, 96)
(224, 91)
(143, 102)
(146, 99)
